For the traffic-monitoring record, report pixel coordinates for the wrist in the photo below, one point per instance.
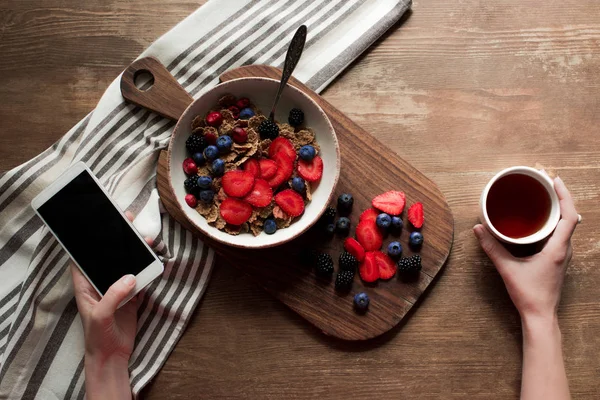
(536, 324)
(107, 377)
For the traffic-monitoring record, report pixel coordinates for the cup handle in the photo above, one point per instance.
(165, 96)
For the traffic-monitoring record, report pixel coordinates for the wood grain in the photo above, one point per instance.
(368, 165)
(459, 90)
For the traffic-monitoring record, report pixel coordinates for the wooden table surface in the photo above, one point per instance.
(460, 90)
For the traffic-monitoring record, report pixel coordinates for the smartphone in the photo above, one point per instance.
(95, 232)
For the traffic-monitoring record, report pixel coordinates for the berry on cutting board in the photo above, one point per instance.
(191, 184)
(343, 281)
(394, 249)
(328, 216)
(204, 182)
(345, 202)
(214, 119)
(298, 185)
(224, 144)
(312, 170)
(384, 221)
(409, 266)
(391, 202)
(348, 262)
(361, 301)
(270, 226)
(397, 223)
(191, 200)
(330, 229)
(324, 266)
(415, 240)
(290, 202)
(369, 214)
(195, 144)
(218, 167)
(237, 183)
(189, 166)
(368, 269)
(211, 153)
(369, 236)
(354, 248)
(207, 196)
(268, 129)
(415, 215)
(261, 194)
(198, 158)
(246, 113)
(387, 267)
(240, 135)
(307, 152)
(343, 226)
(296, 117)
(235, 211)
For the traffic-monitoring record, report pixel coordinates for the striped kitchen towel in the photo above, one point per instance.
(41, 338)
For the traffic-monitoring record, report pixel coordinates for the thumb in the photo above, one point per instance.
(115, 295)
(495, 251)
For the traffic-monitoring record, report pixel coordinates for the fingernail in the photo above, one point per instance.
(477, 230)
(129, 280)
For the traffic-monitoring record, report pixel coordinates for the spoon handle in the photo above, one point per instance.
(291, 60)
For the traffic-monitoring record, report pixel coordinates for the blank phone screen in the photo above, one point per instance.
(95, 232)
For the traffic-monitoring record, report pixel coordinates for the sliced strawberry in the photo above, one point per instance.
(251, 165)
(268, 168)
(285, 168)
(391, 202)
(210, 137)
(387, 267)
(415, 215)
(237, 183)
(311, 170)
(354, 248)
(369, 235)
(369, 214)
(290, 201)
(235, 211)
(368, 269)
(282, 144)
(261, 195)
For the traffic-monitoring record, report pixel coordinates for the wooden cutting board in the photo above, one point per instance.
(368, 169)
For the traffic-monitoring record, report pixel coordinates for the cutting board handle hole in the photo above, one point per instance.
(143, 79)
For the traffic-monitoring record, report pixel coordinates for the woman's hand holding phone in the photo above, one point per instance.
(109, 334)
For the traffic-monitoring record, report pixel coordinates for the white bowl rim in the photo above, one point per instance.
(320, 212)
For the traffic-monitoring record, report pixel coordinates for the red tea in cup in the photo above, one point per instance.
(518, 205)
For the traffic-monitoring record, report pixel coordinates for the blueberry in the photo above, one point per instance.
(361, 301)
(207, 196)
(224, 144)
(343, 226)
(204, 182)
(218, 167)
(246, 113)
(415, 239)
(298, 184)
(307, 152)
(211, 153)
(270, 226)
(330, 229)
(384, 221)
(394, 249)
(198, 158)
(345, 202)
(397, 223)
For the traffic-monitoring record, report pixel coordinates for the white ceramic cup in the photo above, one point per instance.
(552, 220)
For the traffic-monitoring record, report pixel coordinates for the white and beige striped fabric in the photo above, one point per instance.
(41, 338)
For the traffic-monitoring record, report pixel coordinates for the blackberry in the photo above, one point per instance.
(195, 144)
(296, 117)
(409, 265)
(343, 281)
(328, 216)
(348, 262)
(191, 184)
(268, 129)
(324, 266)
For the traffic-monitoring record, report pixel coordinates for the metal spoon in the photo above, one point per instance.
(291, 60)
